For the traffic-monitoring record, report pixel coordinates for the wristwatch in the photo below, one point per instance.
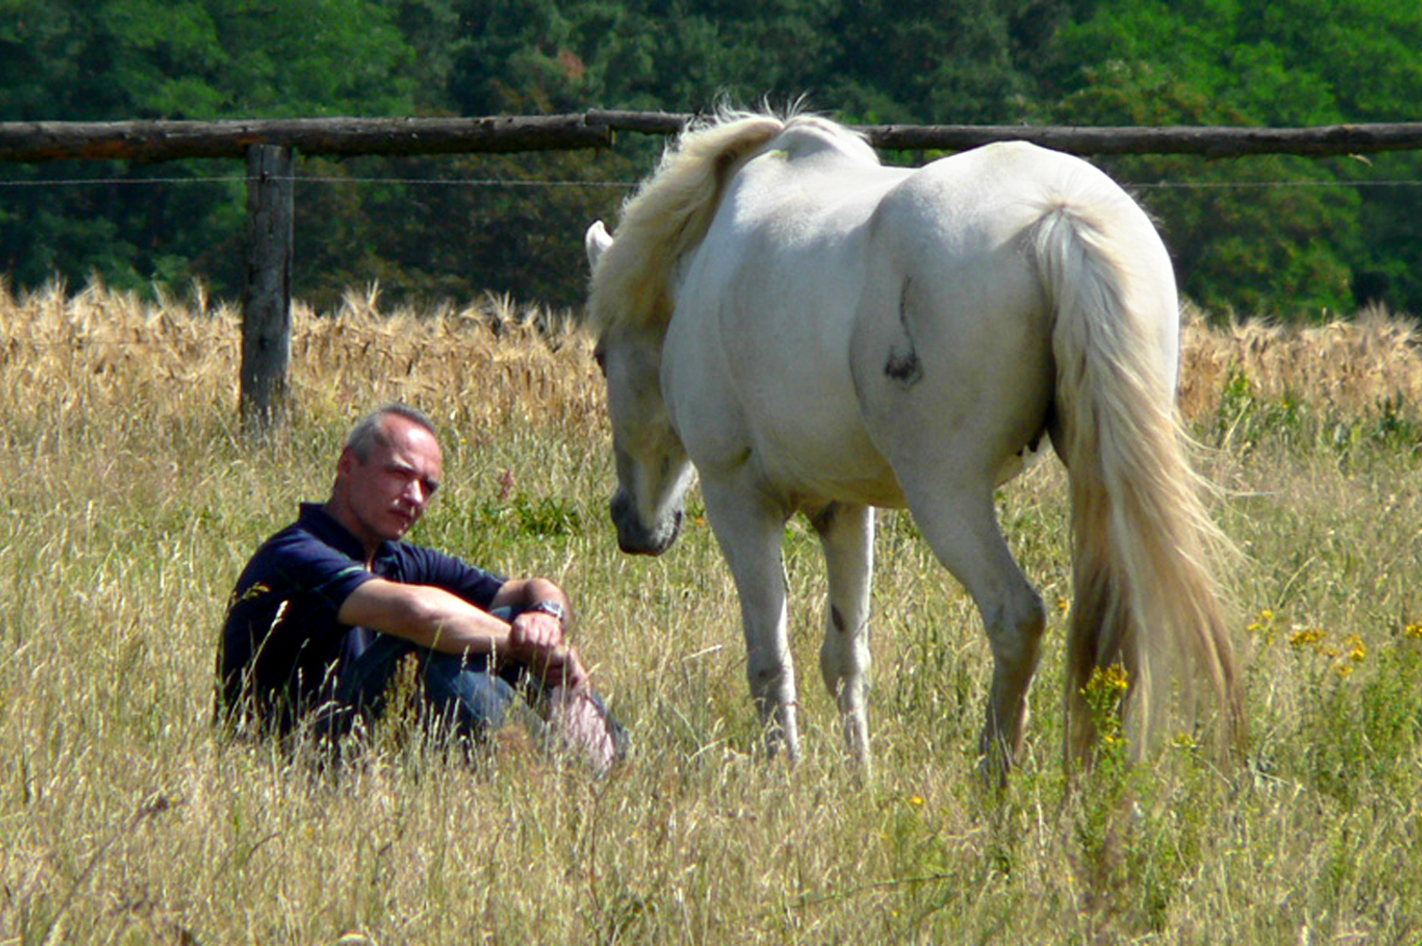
(548, 607)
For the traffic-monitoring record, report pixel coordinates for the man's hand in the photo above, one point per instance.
(559, 667)
(537, 639)
(536, 631)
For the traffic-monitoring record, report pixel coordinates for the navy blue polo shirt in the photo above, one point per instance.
(282, 644)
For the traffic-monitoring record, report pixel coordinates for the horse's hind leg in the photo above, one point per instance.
(962, 528)
(847, 536)
(750, 532)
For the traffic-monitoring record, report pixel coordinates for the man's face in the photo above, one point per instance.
(389, 491)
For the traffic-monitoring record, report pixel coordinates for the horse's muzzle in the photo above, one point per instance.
(636, 538)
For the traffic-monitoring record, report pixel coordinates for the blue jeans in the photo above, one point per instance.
(462, 692)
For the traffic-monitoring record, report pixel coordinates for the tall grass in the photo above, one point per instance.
(131, 502)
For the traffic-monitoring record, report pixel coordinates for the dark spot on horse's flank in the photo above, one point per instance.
(905, 369)
(837, 619)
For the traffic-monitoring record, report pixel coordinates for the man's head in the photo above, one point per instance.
(389, 469)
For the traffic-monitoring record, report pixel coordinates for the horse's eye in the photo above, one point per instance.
(600, 357)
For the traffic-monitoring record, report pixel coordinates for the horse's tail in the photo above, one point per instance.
(1145, 597)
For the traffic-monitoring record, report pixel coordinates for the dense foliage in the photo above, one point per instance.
(1290, 236)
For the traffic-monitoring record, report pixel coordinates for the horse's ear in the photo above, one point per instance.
(597, 241)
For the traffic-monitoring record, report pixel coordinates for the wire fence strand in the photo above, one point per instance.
(303, 179)
(625, 185)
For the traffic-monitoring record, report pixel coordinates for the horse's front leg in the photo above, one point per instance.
(750, 530)
(847, 536)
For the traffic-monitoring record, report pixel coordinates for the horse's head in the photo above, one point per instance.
(631, 308)
(653, 472)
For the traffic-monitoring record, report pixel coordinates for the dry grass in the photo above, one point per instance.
(79, 350)
(1350, 367)
(131, 502)
(97, 351)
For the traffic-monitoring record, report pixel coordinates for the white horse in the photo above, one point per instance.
(819, 333)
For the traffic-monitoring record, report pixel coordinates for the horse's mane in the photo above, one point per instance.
(669, 215)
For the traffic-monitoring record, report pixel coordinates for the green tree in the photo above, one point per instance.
(110, 60)
(1293, 248)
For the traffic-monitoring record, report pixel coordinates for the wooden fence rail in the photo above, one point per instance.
(268, 145)
(171, 140)
(1211, 141)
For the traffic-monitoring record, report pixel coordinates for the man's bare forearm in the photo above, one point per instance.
(430, 617)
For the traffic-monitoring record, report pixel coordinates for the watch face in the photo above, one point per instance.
(549, 607)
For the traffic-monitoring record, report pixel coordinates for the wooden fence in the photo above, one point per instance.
(170, 140)
(269, 145)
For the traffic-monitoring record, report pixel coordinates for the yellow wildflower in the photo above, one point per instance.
(1304, 636)
(1263, 626)
(1103, 693)
(1108, 679)
(1413, 631)
(1357, 650)
(1262, 621)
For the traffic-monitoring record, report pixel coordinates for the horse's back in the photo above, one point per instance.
(852, 307)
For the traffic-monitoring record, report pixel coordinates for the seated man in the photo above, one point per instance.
(326, 610)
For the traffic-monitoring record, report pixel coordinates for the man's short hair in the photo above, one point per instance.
(369, 431)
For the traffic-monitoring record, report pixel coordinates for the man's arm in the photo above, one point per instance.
(433, 618)
(526, 592)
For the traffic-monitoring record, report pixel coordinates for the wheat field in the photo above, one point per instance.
(131, 501)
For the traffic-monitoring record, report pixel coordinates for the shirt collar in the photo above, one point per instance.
(313, 516)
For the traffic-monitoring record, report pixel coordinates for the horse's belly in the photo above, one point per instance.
(846, 468)
(885, 495)
(871, 491)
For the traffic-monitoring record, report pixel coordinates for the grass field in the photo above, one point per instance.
(131, 502)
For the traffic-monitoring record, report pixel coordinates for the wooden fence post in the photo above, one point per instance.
(266, 298)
